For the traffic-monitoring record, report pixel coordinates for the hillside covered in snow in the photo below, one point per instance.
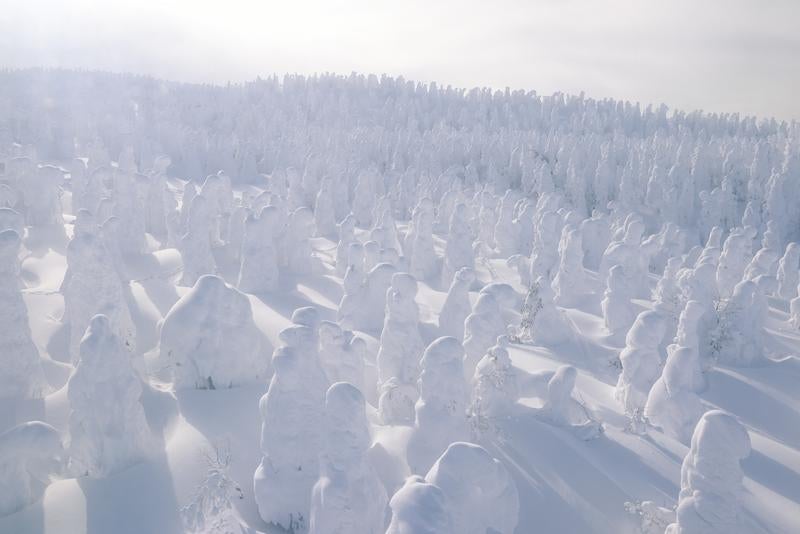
(363, 305)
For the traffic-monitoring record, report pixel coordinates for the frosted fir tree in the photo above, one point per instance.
(298, 247)
(542, 323)
(347, 237)
(527, 231)
(341, 355)
(293, 419)
(373, 309)
(561, 409)
(30, 455)
(385, 229)
(595, 236)
(711, 478)
(642, 361)
(21, 374)
(236, 231)
(349, 496)
(618, 311)
(487, 218)
(763, 265)
(673, 403)
(458, 472)
(544, 257)
(654, 518)
(324, 210)
(41, 196)
(216, 189)
(187, 196)
(788, 273)
(94, 287)
(400, 351)
(456, 305)
(209, 339)
(441, 411)
(668, 297)
(712, 251)
(732, 262)
(195, 245)
(494, 385)
(506, 230)
(211, 509)
(129, 195)
(420, 507)
(418, 244)
(481, 329)
(108, 430)
(258, 271)
(351, 307)
(363, 199)
(458, 252)
(570, 282)
(741, 329)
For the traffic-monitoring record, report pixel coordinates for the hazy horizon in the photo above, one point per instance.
(721, 56)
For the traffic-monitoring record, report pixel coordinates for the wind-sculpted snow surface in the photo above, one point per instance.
(572, 283)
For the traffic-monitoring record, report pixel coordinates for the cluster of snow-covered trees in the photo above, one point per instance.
(694, 215)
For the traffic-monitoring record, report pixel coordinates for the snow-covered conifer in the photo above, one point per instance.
(400, 351)
(461, 469)
(441, 411)
(209, 338)
(108, 430)
(711, 478)
(456, 305)
(29, 454)
(21, 374)
(349, 496)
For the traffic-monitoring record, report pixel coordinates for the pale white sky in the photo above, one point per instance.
(716, 55)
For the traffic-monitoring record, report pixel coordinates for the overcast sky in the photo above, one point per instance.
(715, 55)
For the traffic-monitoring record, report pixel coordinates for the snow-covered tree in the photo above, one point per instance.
(456, 305)
(711, 478)
(458, 250)
(209, 339)
(21, 374)
(479, 491)
(494, 384)
(349, 496)
(441, 411)
(30, 453)
(420, 507)
(618, 311)
(108, 430)
(673, 403)
(400, 351)
(642, 362)
(293, 418)
(258, 272)
(341, 354)
(93, 287)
